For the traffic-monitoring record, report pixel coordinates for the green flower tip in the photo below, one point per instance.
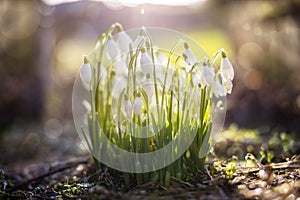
(143, 50)
(85, 60)
(126, 97)
(223, 54)
(138, 94)
(142, 31)
(119, 27)
(186, 46)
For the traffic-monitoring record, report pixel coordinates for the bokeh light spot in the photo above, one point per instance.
(249, 54)
(53, 128)
(253, 79)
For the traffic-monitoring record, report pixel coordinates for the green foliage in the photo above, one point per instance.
(182, 108)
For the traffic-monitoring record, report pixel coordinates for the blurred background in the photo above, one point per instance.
(42, 43)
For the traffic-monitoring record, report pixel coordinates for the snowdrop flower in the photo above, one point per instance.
(121, 67)
(128, 108)
(218, 88)
(228, 86)
(119, 84)
(124, 41)
(112, 50)
(208, 74)
(137, 105)
(138, 40)
(198, 78)
(86, 74)
(146, 62)
(190, 58)
(227, 72)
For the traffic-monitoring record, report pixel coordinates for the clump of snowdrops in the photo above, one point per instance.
(142, 97)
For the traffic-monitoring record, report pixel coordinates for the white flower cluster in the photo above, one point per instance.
(139, 68)
(220, 81)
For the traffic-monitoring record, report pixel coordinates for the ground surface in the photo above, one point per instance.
(246, 165)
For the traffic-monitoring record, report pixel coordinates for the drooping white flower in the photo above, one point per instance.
(112, 50)
(208, 74)
(137, 105)
(121, 67)
(218, 89)
(138, 40)
(146, 62)
(198, 78)
(124, 41)
(228, 86)
(190, 58)
(128, 108)
(86, 74)
(119, 84)
(227, 72)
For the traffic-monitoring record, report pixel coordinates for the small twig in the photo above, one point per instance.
(274, 166)
(208, 173)
(68, 165)
(183, 182)
(163, 187)
(221, 192)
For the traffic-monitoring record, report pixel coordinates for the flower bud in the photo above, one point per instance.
(218, 88)
(138, 40)
(228, 86)
(227, 72)
(112, 50)
(121, 67)
(86, 74)
(124, 41)
(208, 74)
(137, 105)
(128, 108)
(190, 58)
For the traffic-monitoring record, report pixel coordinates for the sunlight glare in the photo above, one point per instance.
(132, 3)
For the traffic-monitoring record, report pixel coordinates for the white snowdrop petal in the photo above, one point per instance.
(137, 41)
(124, 41)
(128, 108)
(111, 49)
(191, 58)
(119, 84)
(137, 105)
(227, 72)
(146, 63)
(86, 73)
(121, 67)
(218, 89)
(228, 86)
(208, 74)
